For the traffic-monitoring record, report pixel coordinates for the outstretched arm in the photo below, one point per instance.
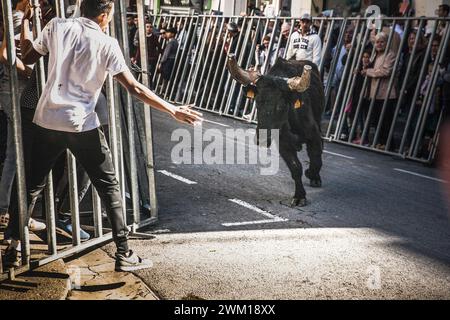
(183, 114)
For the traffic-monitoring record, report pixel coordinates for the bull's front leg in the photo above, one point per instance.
(314, 147)
(289, 154)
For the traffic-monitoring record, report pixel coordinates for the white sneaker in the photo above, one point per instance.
(35, 225)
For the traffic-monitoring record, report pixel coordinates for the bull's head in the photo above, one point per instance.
(274, 95)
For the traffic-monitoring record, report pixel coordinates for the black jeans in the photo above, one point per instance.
(92, 152)
(3, 135)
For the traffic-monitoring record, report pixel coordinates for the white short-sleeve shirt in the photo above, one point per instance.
(80, 56)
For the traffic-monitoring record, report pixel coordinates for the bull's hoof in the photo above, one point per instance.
(314, 182)
(297, 202)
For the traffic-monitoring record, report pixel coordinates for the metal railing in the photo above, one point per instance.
(130, 141)
(354, 118)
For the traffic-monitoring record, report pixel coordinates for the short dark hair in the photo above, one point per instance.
(94, 8)
(445, 7)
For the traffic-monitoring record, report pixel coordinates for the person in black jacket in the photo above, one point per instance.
(168, 58)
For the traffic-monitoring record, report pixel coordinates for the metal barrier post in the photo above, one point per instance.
(180, 52)
(202, 42)
(184, 56)
(131, 128)
(222, 76)
(207, 65)
(430, 91)
(377, 87)
(390, 85)
(225, 98)
(241, 60)
(217, 50)
(148, 118)
(347, 68)
(48, 190)
(416, 93)
(17, 132)
(405, 81)
(333, 62)
(193, 35)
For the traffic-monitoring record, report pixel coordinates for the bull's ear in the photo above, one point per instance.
(251, 91)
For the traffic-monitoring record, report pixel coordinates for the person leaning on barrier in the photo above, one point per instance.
(153, 49)
(9, 168)
(168, 58)
(386, 29)
(262, 53)
(443, 11)
(65, 116)
(414, 72)
(379, 75)
(352, 105)
(285, 31)
(305, 44)
(233, 37)
(434, 48)
(132, 30)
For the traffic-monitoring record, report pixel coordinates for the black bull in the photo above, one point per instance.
(295, 110)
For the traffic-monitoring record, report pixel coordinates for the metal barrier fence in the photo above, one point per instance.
(130, 141)
(406, 125)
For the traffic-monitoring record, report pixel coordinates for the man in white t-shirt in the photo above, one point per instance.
(80, 57)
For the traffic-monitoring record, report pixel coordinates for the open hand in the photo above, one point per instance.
(28, 14)
(186, 114)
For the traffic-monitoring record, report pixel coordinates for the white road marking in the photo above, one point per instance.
(419, 175)
(252, 207)
(272, 218)
(177, 177)
(218, 123)
(339, 155)
(231, 224)
(159, 231)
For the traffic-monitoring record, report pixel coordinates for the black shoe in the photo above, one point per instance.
(11, 258)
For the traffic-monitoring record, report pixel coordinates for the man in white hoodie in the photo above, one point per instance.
(305, 44)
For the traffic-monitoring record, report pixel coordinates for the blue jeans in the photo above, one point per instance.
(9, 166)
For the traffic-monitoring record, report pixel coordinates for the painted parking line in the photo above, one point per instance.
(177, 177)
(419, 175)
(272, 218)
(252, 207)
(218, 123)
(339, 155)
(245, 223)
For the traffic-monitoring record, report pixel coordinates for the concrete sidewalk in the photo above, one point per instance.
(90, 276)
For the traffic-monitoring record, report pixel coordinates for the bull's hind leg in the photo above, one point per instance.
(289, 155)
(314, 148)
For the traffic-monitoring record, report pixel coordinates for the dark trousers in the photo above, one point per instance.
(92, 152)
(387, 119)
(3, 135)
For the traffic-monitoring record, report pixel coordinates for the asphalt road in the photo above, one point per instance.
(378, 228)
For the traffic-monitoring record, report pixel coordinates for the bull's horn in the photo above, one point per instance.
(242, 76)
(302, 83)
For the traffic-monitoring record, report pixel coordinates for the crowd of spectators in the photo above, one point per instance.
(383, 100)
(301, 40)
